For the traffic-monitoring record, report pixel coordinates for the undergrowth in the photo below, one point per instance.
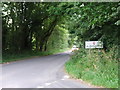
(95, 66)
(8, 57)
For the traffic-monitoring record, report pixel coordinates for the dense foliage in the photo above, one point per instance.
(97, 21)
(94, 22)
(46, 26)
(95, 66)
(29, 25)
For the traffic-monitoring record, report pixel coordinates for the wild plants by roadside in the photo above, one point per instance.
(95, 66)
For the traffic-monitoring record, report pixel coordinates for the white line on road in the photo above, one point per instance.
(40, 86)
(66, 76)
(63, 79)
(54, 82)
(47, 84)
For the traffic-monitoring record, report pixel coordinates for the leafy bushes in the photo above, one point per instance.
(95, 66)
(8, 57)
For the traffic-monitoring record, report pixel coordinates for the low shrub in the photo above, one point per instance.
(95, 66)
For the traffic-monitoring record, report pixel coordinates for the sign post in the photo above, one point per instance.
(93, 44)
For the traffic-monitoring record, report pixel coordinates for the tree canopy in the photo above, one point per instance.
(29, 25)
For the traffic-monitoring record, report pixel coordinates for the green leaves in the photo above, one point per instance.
(85, 20)
(30, 23)
(96, 67)
(91, 21)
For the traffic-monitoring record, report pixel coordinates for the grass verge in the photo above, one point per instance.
(96, 67)
(8, 57)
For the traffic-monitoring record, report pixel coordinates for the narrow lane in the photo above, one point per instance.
(39, 72)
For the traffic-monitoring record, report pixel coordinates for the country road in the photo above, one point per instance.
(39, 72)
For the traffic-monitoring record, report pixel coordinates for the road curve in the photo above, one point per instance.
(39, 72)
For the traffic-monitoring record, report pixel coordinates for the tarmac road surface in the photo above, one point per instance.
(39, 72)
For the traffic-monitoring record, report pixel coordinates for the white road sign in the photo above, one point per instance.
(93, 44)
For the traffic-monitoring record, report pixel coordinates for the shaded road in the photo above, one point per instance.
(39, 72)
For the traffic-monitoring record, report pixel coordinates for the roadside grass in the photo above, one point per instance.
(8, 57)
(94, 66)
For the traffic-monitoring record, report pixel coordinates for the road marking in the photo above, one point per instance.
(47, 84)
(54, 82)
(66, 76)
(40, 86)
(63, 79)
